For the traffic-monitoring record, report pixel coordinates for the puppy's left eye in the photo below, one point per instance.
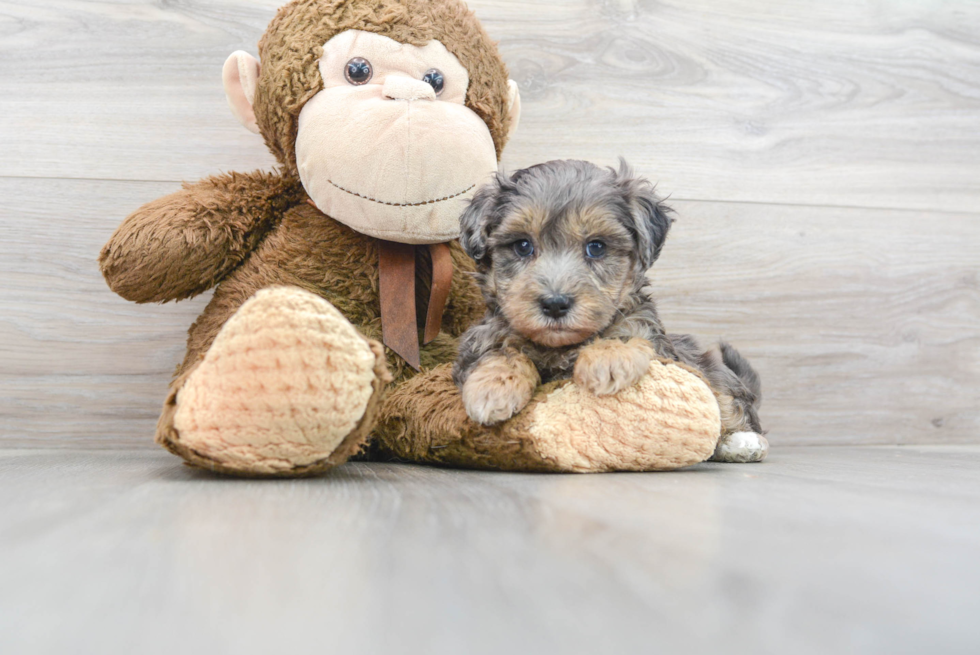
(595, 249)
(523, 248)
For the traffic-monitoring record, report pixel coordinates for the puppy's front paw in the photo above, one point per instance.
(608, 366)
(498, 388)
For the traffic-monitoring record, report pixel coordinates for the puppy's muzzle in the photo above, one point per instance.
(556, 306)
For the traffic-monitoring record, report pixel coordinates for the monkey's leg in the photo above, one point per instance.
(288, 387)
(668, 420)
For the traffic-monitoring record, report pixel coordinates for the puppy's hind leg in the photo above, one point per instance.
(741, 437)
(738, 390)
(741, 448)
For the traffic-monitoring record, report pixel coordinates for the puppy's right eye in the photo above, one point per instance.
(595, 249)
(358, 71)
(523, 248)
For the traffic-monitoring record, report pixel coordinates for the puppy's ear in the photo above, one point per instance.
(479, 219)
(651, 217)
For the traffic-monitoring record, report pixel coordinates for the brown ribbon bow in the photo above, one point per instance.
(397, 290)
(396, 268)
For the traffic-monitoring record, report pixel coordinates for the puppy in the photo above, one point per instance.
(562, 250)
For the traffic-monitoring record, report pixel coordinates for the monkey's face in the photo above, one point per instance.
(388, 146)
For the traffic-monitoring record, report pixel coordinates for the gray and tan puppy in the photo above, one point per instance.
(562, 250)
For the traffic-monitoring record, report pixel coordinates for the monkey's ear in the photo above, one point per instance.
(651, 217)
(514, 97)
(478, 221)
(240, 76)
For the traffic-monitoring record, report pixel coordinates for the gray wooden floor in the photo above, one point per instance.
(822, 550)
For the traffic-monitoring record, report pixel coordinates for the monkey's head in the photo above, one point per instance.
(391, 112)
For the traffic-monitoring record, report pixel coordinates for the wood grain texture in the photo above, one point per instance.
(861, 322)
(824, 159)
(861, 103)
(78, 363)
(811, 552)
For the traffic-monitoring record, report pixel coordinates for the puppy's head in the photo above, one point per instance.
(561, 245)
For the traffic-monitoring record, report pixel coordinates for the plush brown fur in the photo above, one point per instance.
(314, 252)
(424, 420)
(181, 245)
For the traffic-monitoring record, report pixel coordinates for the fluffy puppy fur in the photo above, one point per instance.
(562, 250)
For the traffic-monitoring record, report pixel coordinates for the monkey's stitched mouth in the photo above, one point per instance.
(402, 204)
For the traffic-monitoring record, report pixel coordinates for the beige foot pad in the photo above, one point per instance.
(669, 420)
(285, 382)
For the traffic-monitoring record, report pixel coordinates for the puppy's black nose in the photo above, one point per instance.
(556, 306)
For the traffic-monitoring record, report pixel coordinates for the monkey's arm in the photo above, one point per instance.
(183, 244)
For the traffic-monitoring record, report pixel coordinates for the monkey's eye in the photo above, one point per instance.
(523, 248)
(595, 249)
(358, 71)
(434, 78)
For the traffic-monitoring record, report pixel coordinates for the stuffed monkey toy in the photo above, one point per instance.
(340, 290)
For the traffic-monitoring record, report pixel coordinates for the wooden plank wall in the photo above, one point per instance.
(824, 159)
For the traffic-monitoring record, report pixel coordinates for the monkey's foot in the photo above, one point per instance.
(741, 448)
(289, 387)
(668, 420)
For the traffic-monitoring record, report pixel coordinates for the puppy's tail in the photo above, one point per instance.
(741, 367)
